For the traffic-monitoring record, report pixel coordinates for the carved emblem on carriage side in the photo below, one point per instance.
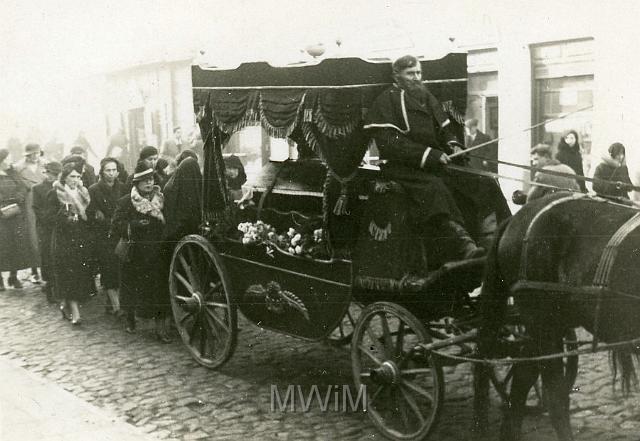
(276, 299)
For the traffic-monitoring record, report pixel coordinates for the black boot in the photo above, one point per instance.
(466, 247)
(2, 288)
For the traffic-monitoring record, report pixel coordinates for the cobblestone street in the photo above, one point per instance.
(159, 388)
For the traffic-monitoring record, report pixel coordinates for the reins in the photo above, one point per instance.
(516, 360)
(526, 167)
(484, 144)
(555, 173)
(511, 178)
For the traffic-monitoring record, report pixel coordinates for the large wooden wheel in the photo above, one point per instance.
(404, 388)
(203, 307)
(343, 333)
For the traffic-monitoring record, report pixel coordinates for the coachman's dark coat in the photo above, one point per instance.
(141, 288)
(412, 136)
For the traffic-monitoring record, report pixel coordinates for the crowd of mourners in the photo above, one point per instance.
(112, 230)
(610, 179)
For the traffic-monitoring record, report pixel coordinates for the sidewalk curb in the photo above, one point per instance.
(34, 408)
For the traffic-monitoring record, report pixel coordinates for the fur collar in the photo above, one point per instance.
(152, 207)
(606, 159)
(77, 202)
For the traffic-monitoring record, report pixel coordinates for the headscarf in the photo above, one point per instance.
(562, 145)
(571, 156)
(234, 162)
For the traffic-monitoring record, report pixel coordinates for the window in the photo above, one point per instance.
(563, 85)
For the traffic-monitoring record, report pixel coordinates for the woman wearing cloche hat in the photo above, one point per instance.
(140, 220)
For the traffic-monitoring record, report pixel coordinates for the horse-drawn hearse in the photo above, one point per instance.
(323, 248)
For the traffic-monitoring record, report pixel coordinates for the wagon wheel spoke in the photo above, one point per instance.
(417, 389)
(213, 327)
(388, 344)
(195, 263)
(400, 340)
(182, 280)
(415, 371)
(217, 319)
(370, 354)
(182, 299)
(188, 272)
(216, 305)
(213, 288)
(375, 394)
(213, 338)
(403, 412)
(203, 340)
(412, 404)
(375, 340)
(194, 327)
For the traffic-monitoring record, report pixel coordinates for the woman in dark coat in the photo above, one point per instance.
(182, 210)
(66, 209)
(14, 254)
(613, 168)
(569, 153)
(139, 217)
(183, 202)
(104, 198)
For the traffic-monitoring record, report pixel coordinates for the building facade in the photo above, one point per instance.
(149, 102)
(541, 73)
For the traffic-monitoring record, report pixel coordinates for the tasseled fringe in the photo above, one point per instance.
(250, 118)
(312, 141)
(340, 208)
(378, 283)
(308, 115)
(379, 234)
(279, 132)
(334, 131)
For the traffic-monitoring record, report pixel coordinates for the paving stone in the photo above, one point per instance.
(162, 390)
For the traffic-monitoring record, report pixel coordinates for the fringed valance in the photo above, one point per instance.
(336, 113)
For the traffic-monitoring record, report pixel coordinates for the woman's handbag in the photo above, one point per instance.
(123, 248)
(9, 211)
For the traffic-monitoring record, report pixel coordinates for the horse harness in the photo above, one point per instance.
(600, 284)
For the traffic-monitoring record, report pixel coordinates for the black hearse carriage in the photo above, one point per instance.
(323, 248)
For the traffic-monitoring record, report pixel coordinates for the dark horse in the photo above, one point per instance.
(566, 239)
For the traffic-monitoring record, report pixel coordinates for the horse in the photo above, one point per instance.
(548, 257)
